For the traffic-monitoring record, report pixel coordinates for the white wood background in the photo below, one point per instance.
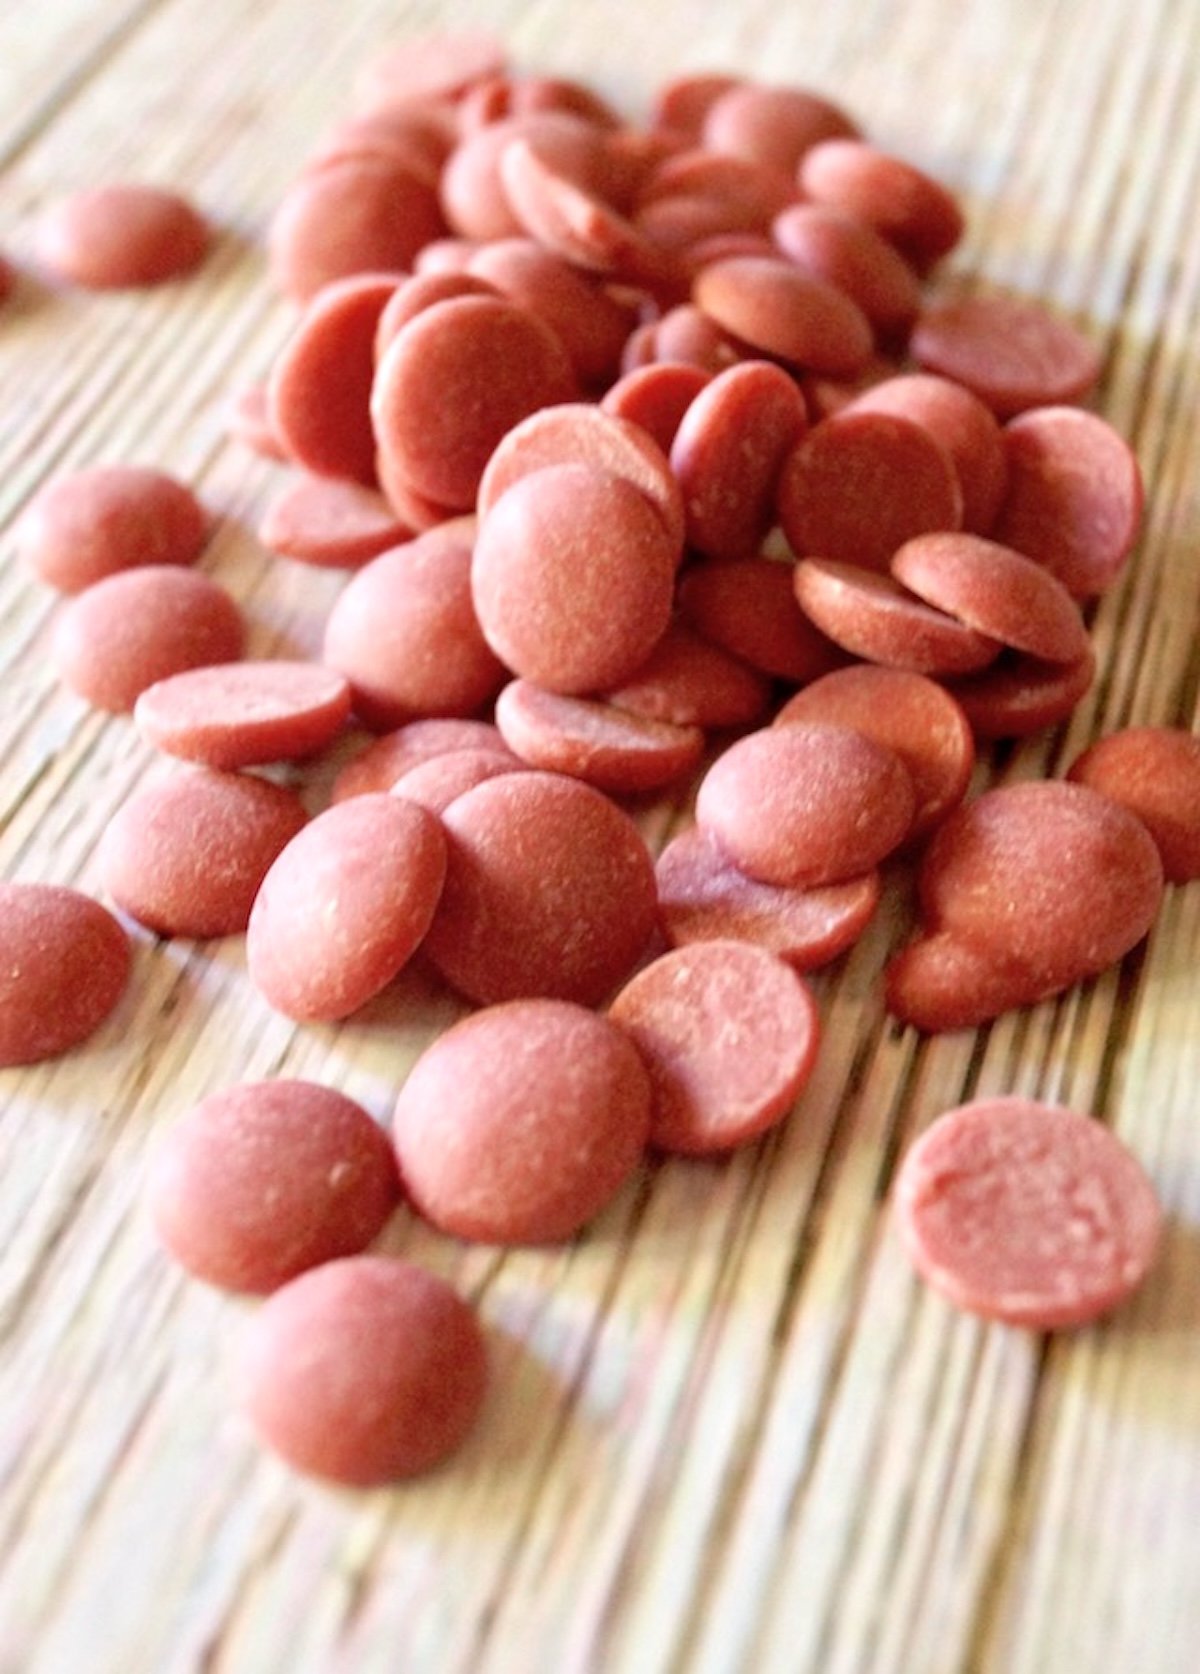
(728, 1429)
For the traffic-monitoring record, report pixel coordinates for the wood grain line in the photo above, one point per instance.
(74, 77)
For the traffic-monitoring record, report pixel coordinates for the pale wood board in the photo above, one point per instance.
(729, 1430)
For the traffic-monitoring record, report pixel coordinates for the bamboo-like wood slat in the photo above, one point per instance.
(728, 1430)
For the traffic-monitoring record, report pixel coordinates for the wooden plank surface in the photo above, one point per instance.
(728, 1429)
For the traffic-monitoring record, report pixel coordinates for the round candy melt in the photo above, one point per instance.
(1075, 496)
(914, 212)
(580, 225)
(405, 635)
(549, 892)
(352, 214)
(683, 336)
(451, 383)
(729, 1035)
(785, 313)
(963, 425)
(413, 295)
(573, 576)
(862, 483)
(344, 906)
(749, 606)
(1010, 352)
(711, 207)
(128, 631)
(846, 251)
(574, 434)
(1027, 1213)
(187, 857)
(593, 326)
(474, 197)
(64, 967)
(330, 522)
(1053, 878)
(89, 524)
(266, 1179)
(319, 391)
(364, 1371)
(943, 981)
(728, 453)
(616, 750)
(124, 234)
(521, 1122)
(909, 713)
(656, 397)
(1155, 773)
(875, 617)
(808, 803)
(688, 681)
(419, 132)
(682, 104)
(772, 125)
(703, 896)
(995, 591)
(243, 714)
(1019, 695)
